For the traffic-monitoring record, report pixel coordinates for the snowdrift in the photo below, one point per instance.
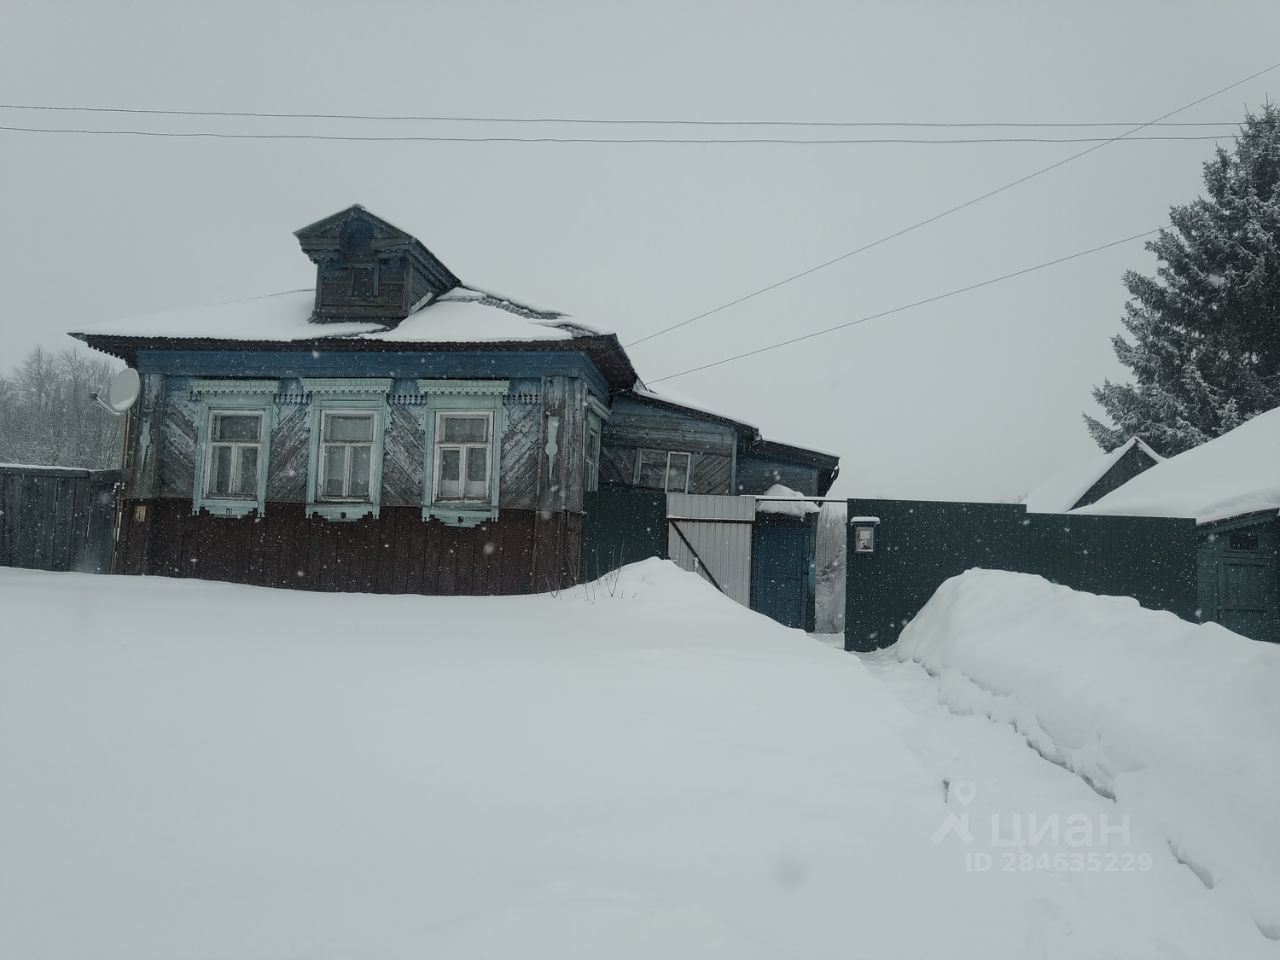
(1180, 722)
(636, 769)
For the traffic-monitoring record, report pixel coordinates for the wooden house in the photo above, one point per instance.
(1231, 487)
(395, 430)
(1090, 480)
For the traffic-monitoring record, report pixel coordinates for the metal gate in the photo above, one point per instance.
(783, 570)
(711, 536)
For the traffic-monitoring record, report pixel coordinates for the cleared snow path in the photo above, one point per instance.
(192, 770)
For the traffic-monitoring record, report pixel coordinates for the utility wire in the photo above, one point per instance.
(906, 306)
(950, 210)
(591, 120)
(390, 138)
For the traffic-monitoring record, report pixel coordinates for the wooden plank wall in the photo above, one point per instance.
(523, 551)
(52, 519)
(635, 426)
(528, 480)
(756, 475)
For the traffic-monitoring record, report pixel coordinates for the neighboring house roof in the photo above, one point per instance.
(1065, 490)
(1235, 474)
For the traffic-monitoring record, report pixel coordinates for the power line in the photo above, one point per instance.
(907, 306)
(950, 210)
(593, 120)
(207, 134)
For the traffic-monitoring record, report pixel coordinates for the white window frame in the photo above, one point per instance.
(666, 470)
(461, 397)
(233, 397)
(354, 395)
(464, 450)
(371, 443)
(237, 452)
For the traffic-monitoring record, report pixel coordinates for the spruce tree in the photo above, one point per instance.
(1205, 350)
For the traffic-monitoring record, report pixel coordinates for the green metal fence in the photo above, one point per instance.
(919, 544)
(621, 525)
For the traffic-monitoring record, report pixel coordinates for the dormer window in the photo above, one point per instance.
(364, 282)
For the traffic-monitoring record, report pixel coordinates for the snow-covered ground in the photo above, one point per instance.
(1178, 722)
(639, 769)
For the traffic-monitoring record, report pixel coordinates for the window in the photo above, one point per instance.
(346, 455)
(235, 453)
(678, 470)
(364, 282)
(662, 470)
(347, 433)
(463, 423)
(1242, 541)
(233, 420)
(591, 454)
(462, 456)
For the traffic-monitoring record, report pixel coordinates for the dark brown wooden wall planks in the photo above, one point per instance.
(523, 551)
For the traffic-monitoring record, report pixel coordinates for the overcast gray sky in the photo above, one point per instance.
(976, 397)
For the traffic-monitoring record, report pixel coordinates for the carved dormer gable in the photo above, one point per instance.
(369, 270)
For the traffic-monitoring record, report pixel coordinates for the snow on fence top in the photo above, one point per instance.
(1235, 474)
(1063, 490)
(782, 499)
(462, 315)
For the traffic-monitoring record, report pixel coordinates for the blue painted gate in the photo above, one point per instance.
(783, 569)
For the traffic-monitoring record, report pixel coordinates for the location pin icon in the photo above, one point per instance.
(964, 791)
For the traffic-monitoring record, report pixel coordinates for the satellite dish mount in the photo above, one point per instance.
(122, 392)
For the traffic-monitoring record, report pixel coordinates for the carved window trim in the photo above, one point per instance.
(338, 395)
(461, 396)
(231, 396)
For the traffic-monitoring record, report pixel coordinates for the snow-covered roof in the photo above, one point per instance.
(676, 398)
(782, 499)
(463, 315)
(1235, 474)
(1063, 490)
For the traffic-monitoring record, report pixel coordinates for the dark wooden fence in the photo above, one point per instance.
(919, 544)
(57, 518)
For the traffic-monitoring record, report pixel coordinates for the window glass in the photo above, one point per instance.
(466, 429)
(364, 282)
(236, 427)
(450, 474)
(477, 486)
(347, 427)
(591, 457)
(653, 468)
(1243, 541)
(360, 461)
(220, 471)
(247, 475)
(334, 470)
(678, 473)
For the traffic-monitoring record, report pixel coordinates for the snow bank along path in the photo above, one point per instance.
(638, 769)
(1178, 721)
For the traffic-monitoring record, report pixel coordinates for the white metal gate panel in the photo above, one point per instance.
(711, 535)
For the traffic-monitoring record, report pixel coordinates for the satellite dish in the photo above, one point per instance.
(122, 392)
